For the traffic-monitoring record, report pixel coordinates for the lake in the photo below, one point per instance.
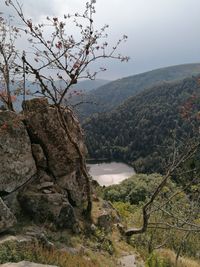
(110, 173)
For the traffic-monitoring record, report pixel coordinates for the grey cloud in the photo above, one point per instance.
(161, 32)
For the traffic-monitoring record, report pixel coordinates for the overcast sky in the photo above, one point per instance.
(161, 32)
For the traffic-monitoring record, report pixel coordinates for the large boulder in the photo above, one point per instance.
(7, 219)
(48, 205)
(53, 149)
(16, 161)
(40, 165)
(108, 216)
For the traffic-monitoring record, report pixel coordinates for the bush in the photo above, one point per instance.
(136, 189)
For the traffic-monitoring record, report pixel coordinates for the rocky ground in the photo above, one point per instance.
(102, 243)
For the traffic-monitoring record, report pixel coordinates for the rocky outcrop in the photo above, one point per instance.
(52, 148)
(40, 171)
(7, 219)
(17, 165)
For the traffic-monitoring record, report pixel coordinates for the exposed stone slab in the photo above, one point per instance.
(127, 261)
(25, 264)
(45, 185)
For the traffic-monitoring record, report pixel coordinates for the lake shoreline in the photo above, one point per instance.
(111, 172)
(106, 160)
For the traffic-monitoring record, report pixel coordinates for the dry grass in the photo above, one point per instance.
(182, 261)
(97, 210)
(15, 252)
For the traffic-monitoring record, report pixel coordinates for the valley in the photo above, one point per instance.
(143, 129)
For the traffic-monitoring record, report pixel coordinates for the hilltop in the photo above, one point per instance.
(112, 94)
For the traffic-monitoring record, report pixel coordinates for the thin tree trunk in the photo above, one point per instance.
(7, 81)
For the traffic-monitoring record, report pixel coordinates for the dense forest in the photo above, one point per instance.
(111, 95)
(145, 129)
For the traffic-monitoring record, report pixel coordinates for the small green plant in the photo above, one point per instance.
(104, 243)
(154, 260)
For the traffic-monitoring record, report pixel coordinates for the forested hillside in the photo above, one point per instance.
(109, 96)
(145, 128)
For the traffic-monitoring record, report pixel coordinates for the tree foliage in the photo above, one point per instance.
(57, 54)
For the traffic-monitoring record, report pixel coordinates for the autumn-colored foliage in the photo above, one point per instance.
(4, 96)
(190, 109)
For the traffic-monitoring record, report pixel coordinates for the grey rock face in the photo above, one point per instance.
(44, 126)
(40, 165)
(74, 185)
(11, 201)
(39, 156)
(48, 206)
(105, 221)
(7, 219)
(16, 161)
(62, 158)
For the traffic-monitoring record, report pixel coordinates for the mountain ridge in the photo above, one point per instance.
(109, 96)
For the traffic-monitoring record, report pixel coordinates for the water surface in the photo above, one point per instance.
(110, 173)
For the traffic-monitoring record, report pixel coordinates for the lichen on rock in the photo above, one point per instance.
(17, 165)
(62, 159)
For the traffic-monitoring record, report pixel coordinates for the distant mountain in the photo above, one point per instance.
(142, 131)
(109, 96)
(88, 85)
(83, 86)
